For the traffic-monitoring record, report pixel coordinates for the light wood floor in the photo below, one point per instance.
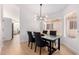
(13, 47)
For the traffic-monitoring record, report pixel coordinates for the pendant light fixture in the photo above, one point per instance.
(40, 11)
(41, 17)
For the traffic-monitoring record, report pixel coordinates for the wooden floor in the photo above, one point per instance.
(13, 47)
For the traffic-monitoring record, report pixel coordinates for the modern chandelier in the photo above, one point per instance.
(41, 17)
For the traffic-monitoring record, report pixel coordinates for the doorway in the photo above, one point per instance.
(11, 11)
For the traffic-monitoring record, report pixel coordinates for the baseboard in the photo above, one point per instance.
(71, 49)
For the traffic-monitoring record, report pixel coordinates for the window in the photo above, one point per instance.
(73, 25)
(49, 26)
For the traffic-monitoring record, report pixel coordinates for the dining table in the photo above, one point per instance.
(51, 39)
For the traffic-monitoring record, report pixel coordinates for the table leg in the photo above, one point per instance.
(58, 43)
(50, 52)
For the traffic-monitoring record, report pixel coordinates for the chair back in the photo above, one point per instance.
(38, 39)
(53, 33)
(30, 36)
(44, 31)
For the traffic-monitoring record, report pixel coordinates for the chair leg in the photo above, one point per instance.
(40, 51)
(35, 47)
(31, 45)
(28, 43)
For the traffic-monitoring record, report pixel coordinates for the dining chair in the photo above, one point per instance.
(45, 31)
(31, 39)
(39, 41)
(53, 33)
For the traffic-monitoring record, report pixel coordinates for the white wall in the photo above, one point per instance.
(27, 23)
(0, 27)
(72, 43)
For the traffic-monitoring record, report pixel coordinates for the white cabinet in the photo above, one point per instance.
(7, 28)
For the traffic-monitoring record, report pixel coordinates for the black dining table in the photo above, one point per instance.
(51, 39)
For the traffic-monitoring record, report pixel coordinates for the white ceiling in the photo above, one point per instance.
(46, 8)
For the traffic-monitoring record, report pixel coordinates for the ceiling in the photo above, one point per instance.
(46, 8)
